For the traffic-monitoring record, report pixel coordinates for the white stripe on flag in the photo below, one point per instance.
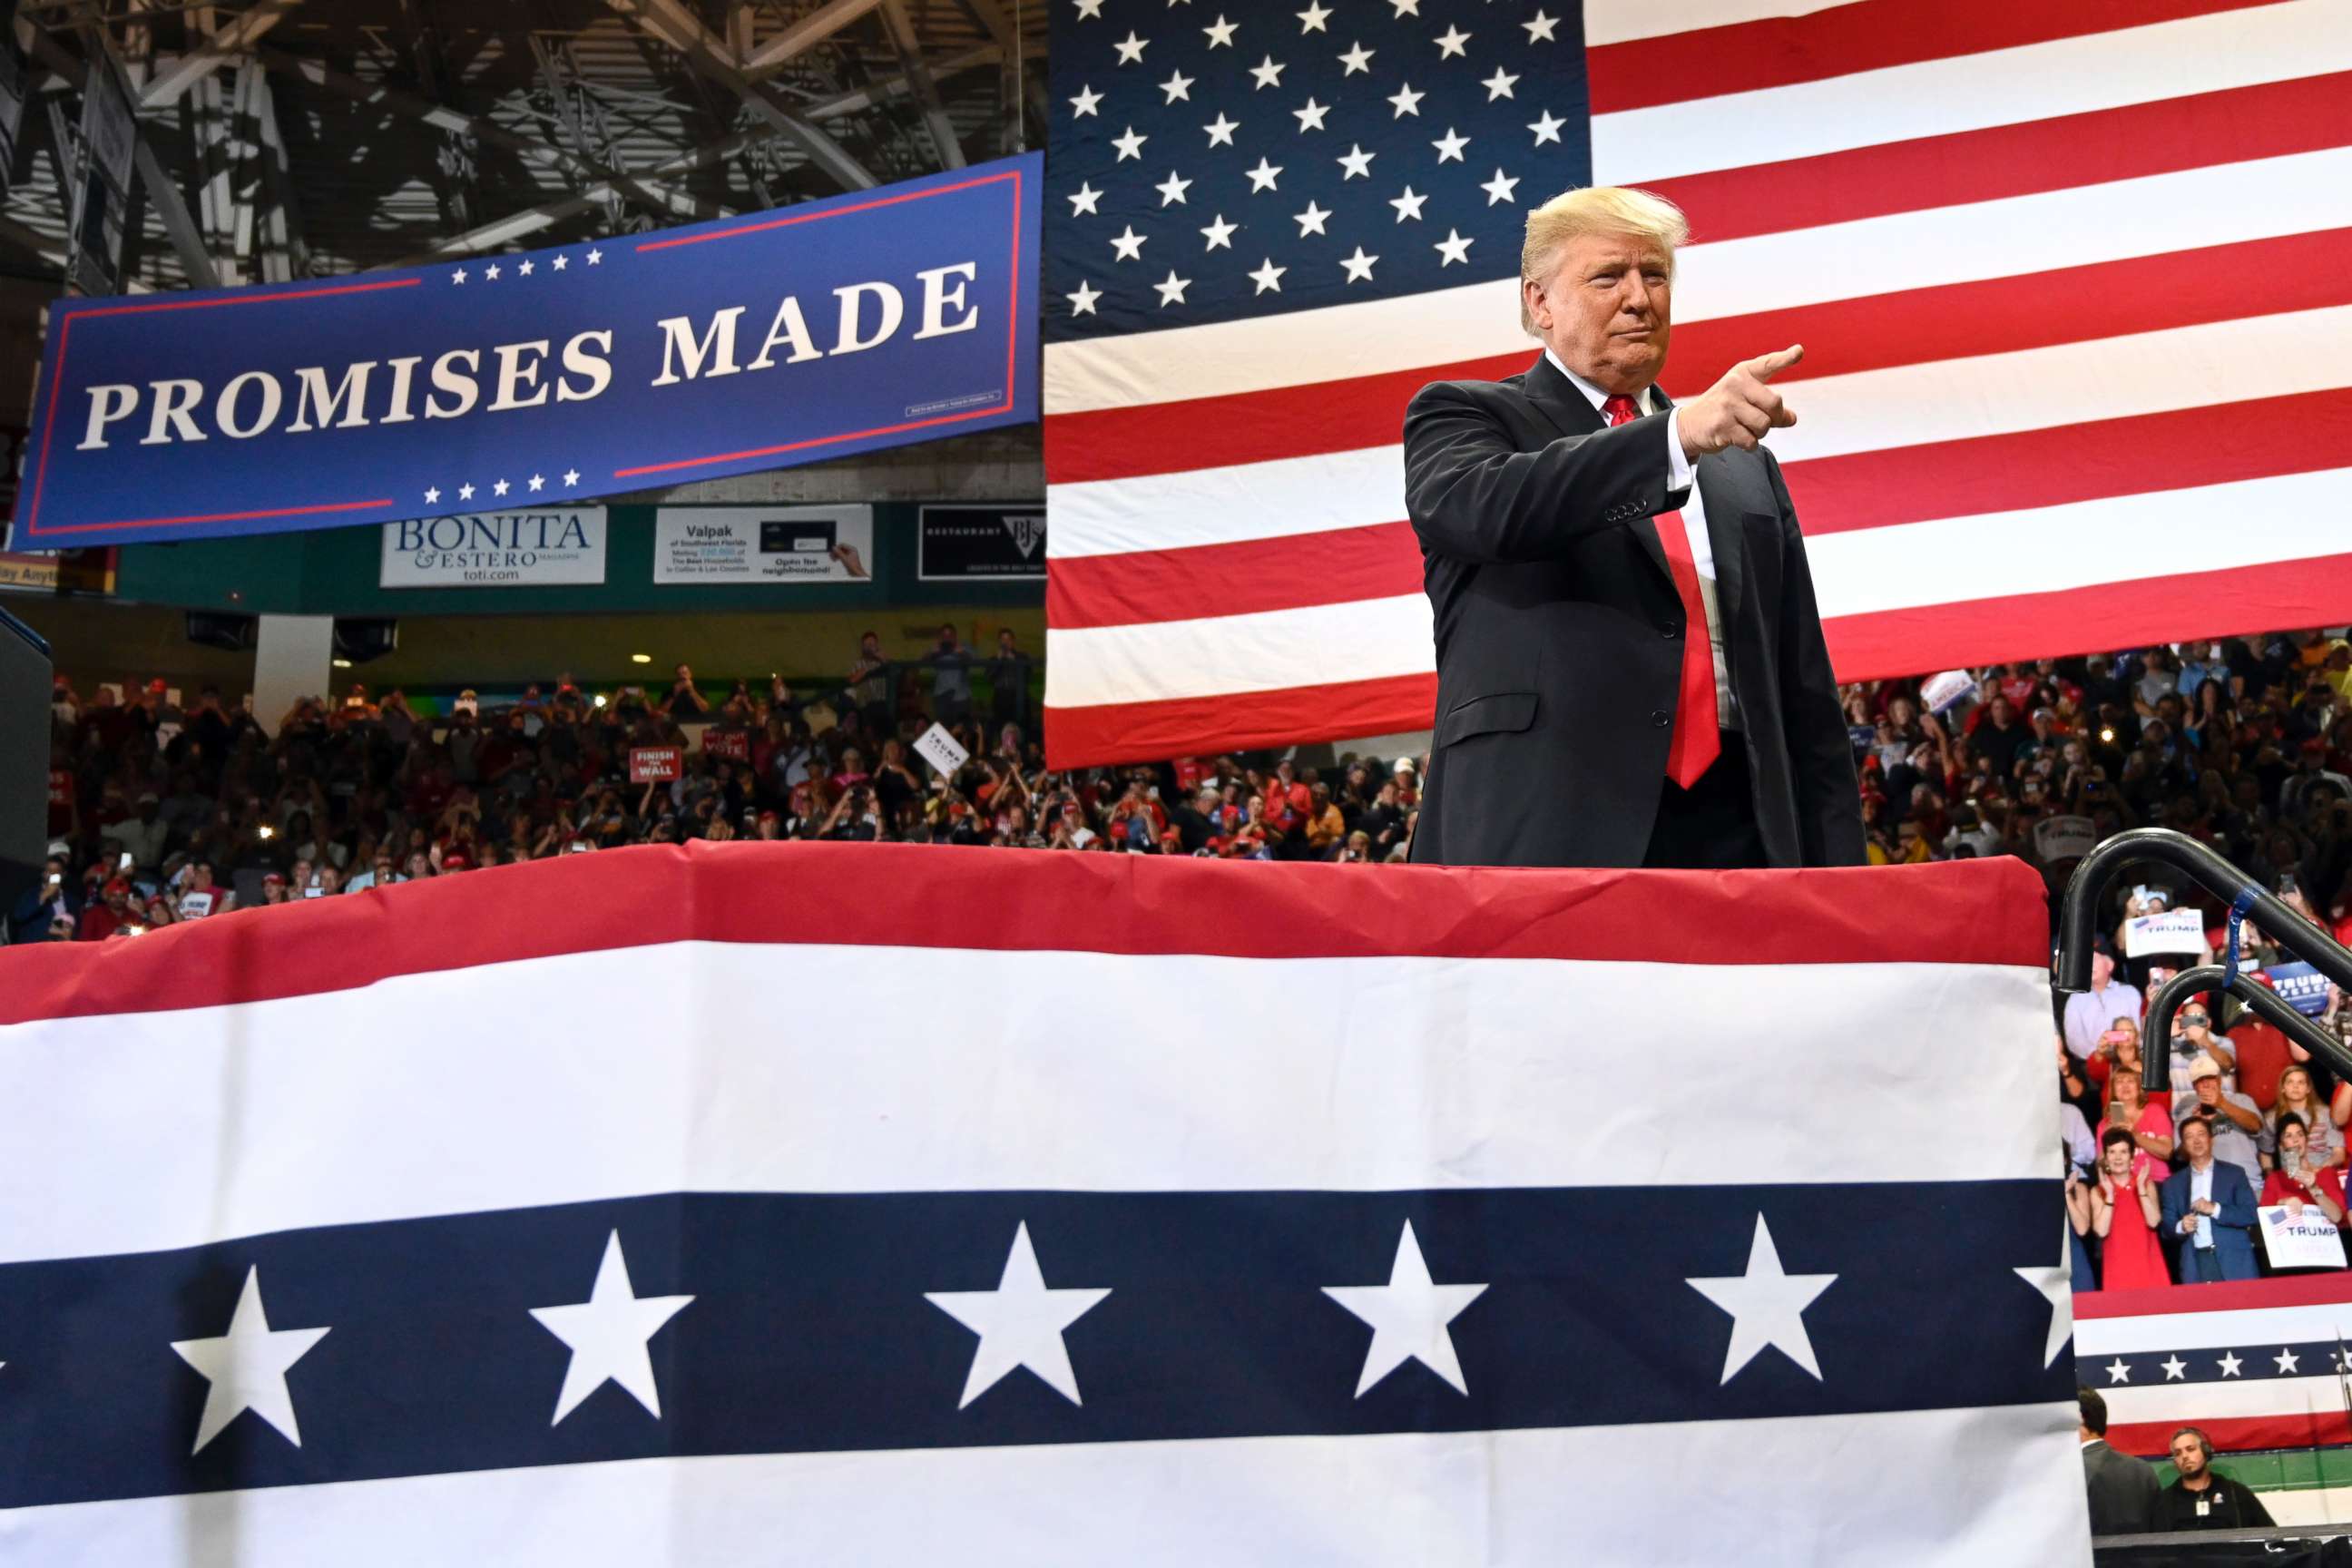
(2185, 1330)
(1222, 656)
(1969, 92)
(1535, 1498)
(541, 1074)
(1622, 21)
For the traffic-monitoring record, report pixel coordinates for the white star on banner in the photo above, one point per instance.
(2174, 1369)
(2230, 1364)
(1450, 42)
(1311, 19)
(1311, 116)
(1129, 145)
(499, 489)
(248, 1366)
(1220, 234)
(570, 477)
(1262, 178)
(1409, 204)
(1221, 131)
(1409, 1317)
(1268, 74)
(1268, 276)
(1767, 1306)
(1453, 247)
(1539, 27)
(1020, 1324)
(432, 495)
(491, 272)
(537, 482)
(464, 493)
(1171, 288)
(1221, 33)
(1407, 101)
(458, 276)
(525, 267)
(1082, 303)
(1358, 266)
(2118, 1371)
(562, 261)
(608, 1333)
(1311, 220)
(1357, 162)
(2286, 1362)
(1547, 128)
(1499, 189)
(1130, 48)
(1449, 147)
(594, 257)
(1357, 59)
(1088, 102)
(1085, 199)
(1177, 85)
(1172, 189)
(1129, 245)
(2056, 1287)
(1498, 85)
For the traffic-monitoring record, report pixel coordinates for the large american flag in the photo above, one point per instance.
(751, 1204)
(2074, 284)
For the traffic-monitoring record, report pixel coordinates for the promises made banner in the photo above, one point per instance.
(542, 378)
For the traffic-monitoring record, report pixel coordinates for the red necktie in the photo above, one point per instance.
(1697, 741)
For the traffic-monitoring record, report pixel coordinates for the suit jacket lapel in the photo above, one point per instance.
(1560, 400)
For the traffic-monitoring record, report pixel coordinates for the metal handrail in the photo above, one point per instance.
(2272, 1008)
(2078, 911)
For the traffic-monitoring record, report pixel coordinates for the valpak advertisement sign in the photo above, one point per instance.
(543, 378)
(558, 545)
(718, 544)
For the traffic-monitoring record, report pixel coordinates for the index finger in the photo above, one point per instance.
(1764, 367)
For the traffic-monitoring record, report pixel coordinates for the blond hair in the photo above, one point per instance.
(1595, 209)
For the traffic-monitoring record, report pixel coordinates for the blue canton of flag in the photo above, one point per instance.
(1257, 159)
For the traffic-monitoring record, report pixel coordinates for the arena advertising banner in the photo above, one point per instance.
(527, 549)
(967, 543)
(542, 378)
(715, 544)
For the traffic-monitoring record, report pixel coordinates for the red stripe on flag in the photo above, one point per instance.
(2180, 449)
(2112, 299)
(1187, 726)
(2090, 619)
(1980, 912)
(2239, 1434)
(2270, 120)
(1780, 51)
(1336, 567)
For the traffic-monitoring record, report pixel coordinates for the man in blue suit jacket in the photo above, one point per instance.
(2210, 1207)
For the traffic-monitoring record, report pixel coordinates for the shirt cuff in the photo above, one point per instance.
(1678, 466)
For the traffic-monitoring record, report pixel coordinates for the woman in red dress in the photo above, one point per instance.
(2124, 1213)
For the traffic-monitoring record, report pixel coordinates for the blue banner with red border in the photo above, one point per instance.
(835, 327)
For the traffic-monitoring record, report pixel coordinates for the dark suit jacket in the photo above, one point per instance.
(2123, 1491)
(2233, 1228)
(1559, 634)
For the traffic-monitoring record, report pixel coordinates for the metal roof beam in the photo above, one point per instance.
(803, 35)
(918, 78)
(225, 45)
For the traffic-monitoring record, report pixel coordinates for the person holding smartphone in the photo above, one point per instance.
(2300, 1181)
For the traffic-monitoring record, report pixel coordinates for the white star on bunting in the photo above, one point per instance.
(2055, 1284)
(2230, 1364)
(2286, 1362)
(1020, 1323)
(246, 1367)
(608, 1333)
(2118, 1371)
(2174, 1369)
(1767, 1306)
(1409, 1317)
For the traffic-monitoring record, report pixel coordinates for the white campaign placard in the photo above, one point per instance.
(942, 749)
(2174, 931)
(2309, 1241)
(520, 549)
(707, 544)
(2064, 837)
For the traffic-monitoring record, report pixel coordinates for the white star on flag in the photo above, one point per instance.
(1499, 189)
(2056, 1287)
(1020, 1324)
(2230, 1364)
(1767, 1306)
(2173, 1369)
(1221, 131)
(1450, 42)
(1453, 247)
(1311, 19)
(1171, 288)
(608, 1333)
(571, 477)
(1220, 233)
(1311, 116)
(1268, 74)
(1085, 199)
(1082, 302)
(1499, 84)
(1268, 276)
(1177, 85)
(1311, 220)
(1090, 10)
(1130, 48)
(1358, 266)
(1407, 101)
(1085, 103)
(1172, 189)
(1262, 178)
(1409, 1317)
(1357, 59)
(1408, 205)
(1357, 162)
(1547, 128)
(1129, 244)
(1129, 145)
(1539, 27)
(1449, 147)
(248, 1366)
(1221, 33)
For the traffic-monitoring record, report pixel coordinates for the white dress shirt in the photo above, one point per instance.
(1680, 475)
(2200, 1190)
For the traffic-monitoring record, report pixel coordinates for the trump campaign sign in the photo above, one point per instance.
(541, 378)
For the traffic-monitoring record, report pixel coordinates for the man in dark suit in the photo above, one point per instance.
(1631, 669)
(2210, 1205)
(2124, 1494)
